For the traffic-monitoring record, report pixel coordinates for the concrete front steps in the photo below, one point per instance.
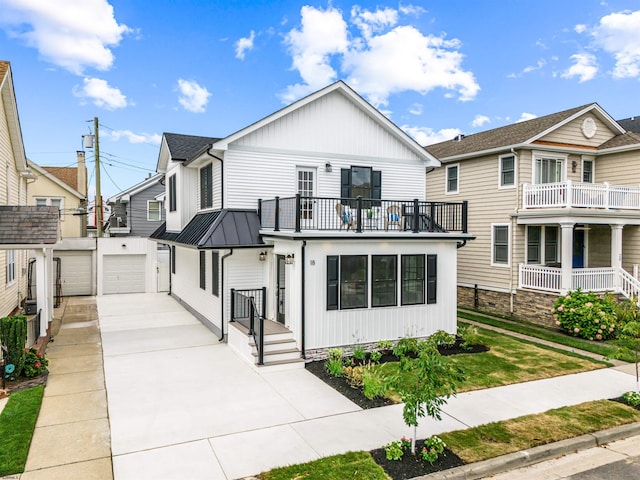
(280, 349)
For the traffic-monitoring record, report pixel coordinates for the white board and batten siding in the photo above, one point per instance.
(328, 328)
(186, 196)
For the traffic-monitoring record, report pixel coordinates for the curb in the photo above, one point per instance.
(534, 455)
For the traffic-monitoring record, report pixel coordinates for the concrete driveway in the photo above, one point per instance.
(182, 405)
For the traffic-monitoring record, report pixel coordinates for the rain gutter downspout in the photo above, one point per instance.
(222, 296)
(302, 307)
(513, 237)
(221, 175)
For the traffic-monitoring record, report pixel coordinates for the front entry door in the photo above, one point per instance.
(280, 291)
(578, 249)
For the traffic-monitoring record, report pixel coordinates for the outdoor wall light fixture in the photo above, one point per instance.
(574, 165)
(289, 259)
(328, 167)
(124, 245)
(263, 256)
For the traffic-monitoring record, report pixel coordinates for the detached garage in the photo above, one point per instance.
(123, 274)
(76, 276)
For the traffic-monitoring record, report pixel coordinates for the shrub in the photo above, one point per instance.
(632, 398)
(586, 315)
(470, 336)
(385, 345)
(406, 346)
(373, 384)
(13, 335)
(443, 338)
(34, 363)
(375, 356)
(395, 450)
(359, 353)
(433, 448)
(335, 353)
(334, 367)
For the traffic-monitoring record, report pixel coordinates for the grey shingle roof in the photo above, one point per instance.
(183, 147)
(499, 137)
(28, 225)
(631, 124)
(629, 138)
(219, 229)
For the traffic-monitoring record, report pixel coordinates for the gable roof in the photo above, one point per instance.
(184, 147)
(515, 135)
(68, 175)
(348, 92)
(49, 174)
(138, 187)
(29, 225)
(8, 96)
(218, 229)
(631, 124)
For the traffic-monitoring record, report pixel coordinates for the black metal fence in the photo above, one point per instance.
(362, 214)
(248, 308)
(33, 329)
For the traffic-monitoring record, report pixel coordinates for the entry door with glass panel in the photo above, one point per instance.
(306, 187)
(280, 288)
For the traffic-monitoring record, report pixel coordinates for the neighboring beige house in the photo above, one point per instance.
(22, 228)
(554, 204)
(65, 188)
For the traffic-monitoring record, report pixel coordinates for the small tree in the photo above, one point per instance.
(629, 313)
(425, 384)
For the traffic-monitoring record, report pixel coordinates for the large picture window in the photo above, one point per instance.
(412, 278)
(384, 280)
(549, 170)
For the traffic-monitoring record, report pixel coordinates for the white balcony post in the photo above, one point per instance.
(616, 253)
(43, 289)
(567, 257)
(606, 196)
(568, 194)
(525, 195)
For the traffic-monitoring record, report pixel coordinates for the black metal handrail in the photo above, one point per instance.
(245, 311)
(362, 214)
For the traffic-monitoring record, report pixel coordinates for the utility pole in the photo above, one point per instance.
(98, 192)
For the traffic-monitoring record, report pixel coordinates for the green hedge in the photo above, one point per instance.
(13, 336)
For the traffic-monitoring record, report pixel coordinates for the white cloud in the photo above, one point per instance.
(427, 136)
(244, 44)
(480, 120)
(116, 135)
(193, 97)
(580, 28)
(384, 60)
(414, 10)
(101, 94)
(619, 35)
(72, 34)
(416, 109)
(526, 116)
(322, 33)
(585, 67)
(541, 63)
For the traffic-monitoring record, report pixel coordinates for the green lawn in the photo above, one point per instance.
(352, 466)
(17, 422)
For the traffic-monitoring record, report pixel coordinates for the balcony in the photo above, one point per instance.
(580, 195)
(359, 215)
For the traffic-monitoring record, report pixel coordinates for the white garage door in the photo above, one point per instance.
(123, 274)
(76, 272)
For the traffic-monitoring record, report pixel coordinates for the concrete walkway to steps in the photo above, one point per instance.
(182, 405)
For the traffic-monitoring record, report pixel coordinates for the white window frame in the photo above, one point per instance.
(10, 259)
(149, 202)
(554, 156)
(47, 202)
(446, 180)
(502, 186)
(593, 169)
(493, 262)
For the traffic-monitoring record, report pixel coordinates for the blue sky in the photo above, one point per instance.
(435, 68)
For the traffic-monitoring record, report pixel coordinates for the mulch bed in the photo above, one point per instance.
(410, 466)
(624, 402)
(25, 383)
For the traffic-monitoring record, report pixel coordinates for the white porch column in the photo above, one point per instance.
(567, 257)
(43, 289)
(616, 253)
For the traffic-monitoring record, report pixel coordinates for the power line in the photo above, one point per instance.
(108, 175)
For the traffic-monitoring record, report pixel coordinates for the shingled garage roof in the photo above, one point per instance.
(183, 147)
(219, 229)
(29, 225)
(499, 137)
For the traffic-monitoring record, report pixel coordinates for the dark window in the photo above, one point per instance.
(432, 278)
(332, 282)
(550, 244)
(501, 244)
(587, 171)
(203, 273)
(384, 280)
(534, 237)
(215, 273)
(172, 193)
(452, 179)
(363, 182)
(507, 171)
(412, 278)
(173, 259)
(353, 281)
(206, 186)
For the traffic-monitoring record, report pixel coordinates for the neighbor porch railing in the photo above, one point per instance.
(362, 214)
(33, 329)
(603, 279)
(580, 195)
(247, 308)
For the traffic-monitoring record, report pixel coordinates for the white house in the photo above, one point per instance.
(310, 225)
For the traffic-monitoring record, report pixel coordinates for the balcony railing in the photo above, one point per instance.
(361, 214)
(580, 195)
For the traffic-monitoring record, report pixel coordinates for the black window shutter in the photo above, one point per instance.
(203, 273)
(173, 259)
(432, 278)
(376, 186)
(215, 273)
(345, 183)
(332, 282)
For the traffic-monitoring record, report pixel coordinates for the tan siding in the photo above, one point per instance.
(630, 247)
(572, 133)
(618, 168)
(598, 240)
